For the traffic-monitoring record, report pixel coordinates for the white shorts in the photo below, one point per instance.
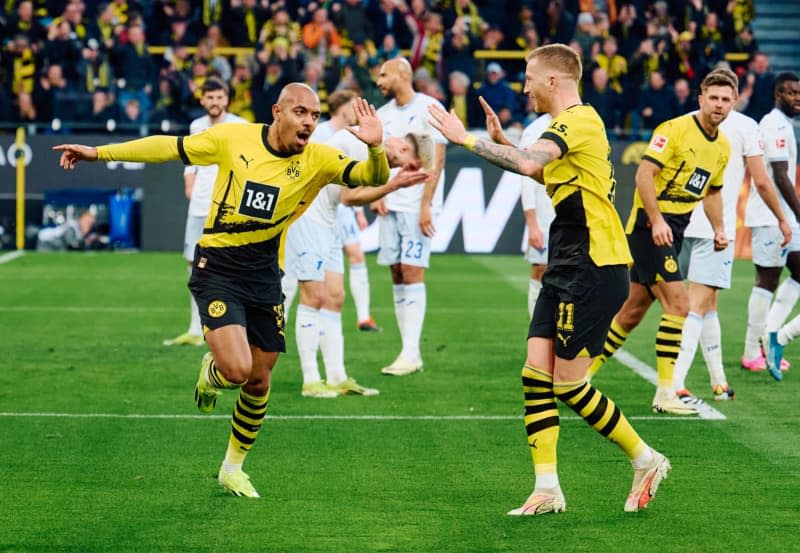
(701, 264)
(538, 257)
(401, 240)
(311, 249)
(347, 226)
(193, 232)
(767, 250)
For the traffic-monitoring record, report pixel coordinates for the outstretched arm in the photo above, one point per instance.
(365, 195)
(151, 149)
(530, 162)
(375, 170)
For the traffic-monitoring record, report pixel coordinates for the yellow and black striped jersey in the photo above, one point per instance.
(581, 184)
(258, 191)
(691, 161)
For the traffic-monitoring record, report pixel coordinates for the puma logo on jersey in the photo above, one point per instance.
(563, 338)
(246, 161)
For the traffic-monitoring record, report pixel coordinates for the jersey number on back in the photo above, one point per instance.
(259, 200)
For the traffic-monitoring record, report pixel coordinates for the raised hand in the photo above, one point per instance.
(448, 124)
(493, 124)
(71, 154)
(370, 129)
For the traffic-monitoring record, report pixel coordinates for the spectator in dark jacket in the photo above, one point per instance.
(499, 95)
(388, 19)
(758, 91)
(136, 69)
(462, 98)
(656, 104)
(604, 99)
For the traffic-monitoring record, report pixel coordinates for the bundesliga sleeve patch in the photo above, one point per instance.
(658, 143)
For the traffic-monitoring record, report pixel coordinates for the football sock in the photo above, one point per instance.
(616, 337)
(399, 296)
(602, 414)
(289, 285)
(690, 336)
(306, 330)
(711, 346)
(785, 297)
(331, 342)
(248, 414)
(541, 424)
(534, 287)
(359, 287)
(668, 344)
(214, 377)
(415, 305)
(757, 309)
(789, 331)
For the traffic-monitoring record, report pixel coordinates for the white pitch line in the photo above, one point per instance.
(705, 411)
(11, 256)
(443, 418)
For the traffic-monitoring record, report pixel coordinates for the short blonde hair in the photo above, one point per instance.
(721, 77)
(560, 57)
(424, 148)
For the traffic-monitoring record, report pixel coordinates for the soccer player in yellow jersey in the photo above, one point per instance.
(586, 280)
(268, 175)
(682, 166)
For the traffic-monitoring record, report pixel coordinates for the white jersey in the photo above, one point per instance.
(533, 193)
(777, 136)
(323, 209)
(743, 134)
(323, 132)
(200, 202)
(398, 121)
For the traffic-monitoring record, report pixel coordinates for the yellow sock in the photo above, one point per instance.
(602, 414)
(668, 345)
(248, 414)
(616, 337)
(216, 379)
(541, 421)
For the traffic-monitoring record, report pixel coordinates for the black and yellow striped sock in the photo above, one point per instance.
(215, 378)
(541, 418)
(668, 345)
(248, 414)
(602, 414)
(616, 337)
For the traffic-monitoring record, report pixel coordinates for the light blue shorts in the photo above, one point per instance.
(767, 250)
(401, 240)
(701, 264)
(311, 249)
(193, 232)
(347, 226)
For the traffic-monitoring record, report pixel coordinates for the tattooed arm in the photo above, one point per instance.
(529, 162)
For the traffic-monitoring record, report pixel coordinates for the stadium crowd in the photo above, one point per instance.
(85, 62)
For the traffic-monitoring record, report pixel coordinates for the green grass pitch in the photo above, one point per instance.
(103, 450)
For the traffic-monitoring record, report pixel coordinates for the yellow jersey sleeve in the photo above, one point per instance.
(566, 131)
(201, 148)
(662, 144)
(151, 149)
(374, 171)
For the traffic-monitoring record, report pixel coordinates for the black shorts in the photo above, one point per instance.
(576, 306)
(653, 263)
(231, 299)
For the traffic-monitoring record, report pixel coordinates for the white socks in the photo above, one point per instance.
(757, 309)
(711, 344)
(331, 342)
(534, 287)
(785, 297)
(307, 335)
(789, 331)
(195, 326)
(690, 336)
(413, 317)
(289, 285)
(359, 288)
(399, 296)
